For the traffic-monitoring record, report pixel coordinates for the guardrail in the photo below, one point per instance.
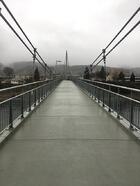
(126, 91)
(13, 91)
(17, 107)
(125, 107)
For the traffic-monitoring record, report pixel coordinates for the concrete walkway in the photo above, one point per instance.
(70, 141)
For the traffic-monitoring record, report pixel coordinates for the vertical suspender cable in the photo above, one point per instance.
(130, 19)
(23, 32)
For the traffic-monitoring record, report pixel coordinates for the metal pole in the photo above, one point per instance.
(34, 57)
(29, 101)
(10, 114)
(104, 58)
(45, 71)
(22, 107)
(131, 114)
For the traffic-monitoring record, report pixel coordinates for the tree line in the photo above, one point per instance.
(9, 73)
(103, 76)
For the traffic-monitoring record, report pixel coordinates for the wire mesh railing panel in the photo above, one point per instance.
(4, 115)
(125, 107)
(32, 97)
(136, 115)
(25, 102)
(15, 107)
(113, 102)
(106, 98)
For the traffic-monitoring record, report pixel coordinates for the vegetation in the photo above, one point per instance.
(132, 77)
(121, 76)
(36, 74)
(101, 75)
(9, 72)
(86, 73)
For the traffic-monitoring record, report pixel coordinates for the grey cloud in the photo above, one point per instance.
(83, 35)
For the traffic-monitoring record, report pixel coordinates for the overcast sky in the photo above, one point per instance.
(83, 27)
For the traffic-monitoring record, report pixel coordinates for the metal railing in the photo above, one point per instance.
(13, 91)
(125, 107)
(126, 91)
(17, 107)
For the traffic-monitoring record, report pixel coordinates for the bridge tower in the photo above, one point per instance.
(67, 68)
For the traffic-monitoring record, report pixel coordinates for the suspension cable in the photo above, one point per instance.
(135, 13)
(97, 58)
(4, 4)
(16, 22)
(130, 19)
(120, 41)
(6, 21)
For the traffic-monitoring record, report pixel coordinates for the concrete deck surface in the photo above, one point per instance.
(70, 141)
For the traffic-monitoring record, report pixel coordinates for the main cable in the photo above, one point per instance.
(4, 4)
(16, 22)
(119, 41)
(135, 13)
(123, 38)
(6, 21)
(130, 19)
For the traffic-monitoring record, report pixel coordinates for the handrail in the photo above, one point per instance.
(117, 86)
(125, 107)
(24, 85)
(23, 93)
(117, 94)
(18, 106)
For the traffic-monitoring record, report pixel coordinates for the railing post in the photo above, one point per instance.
(131, 115)
(118, 107)
(92, 92)
(35, 98)
(103, 97)
(109, 102)
(46, 90)
(10, 115)
(95, 93)
(41, 93)
(98, 95)
(22, 109)
(29, 101)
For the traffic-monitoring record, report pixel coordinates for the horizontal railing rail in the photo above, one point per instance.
(125, 107)
(127, 91)
(13, 91)
(111, 85)
(17, 107)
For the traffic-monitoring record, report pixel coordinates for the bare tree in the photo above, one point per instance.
(121, 76)
(9, 72)
(132, 77)
(86, 73)
(36, 75)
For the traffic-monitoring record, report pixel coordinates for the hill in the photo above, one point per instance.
(26, 68)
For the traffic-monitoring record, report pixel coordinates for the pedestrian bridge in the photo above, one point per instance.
(69, 140)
